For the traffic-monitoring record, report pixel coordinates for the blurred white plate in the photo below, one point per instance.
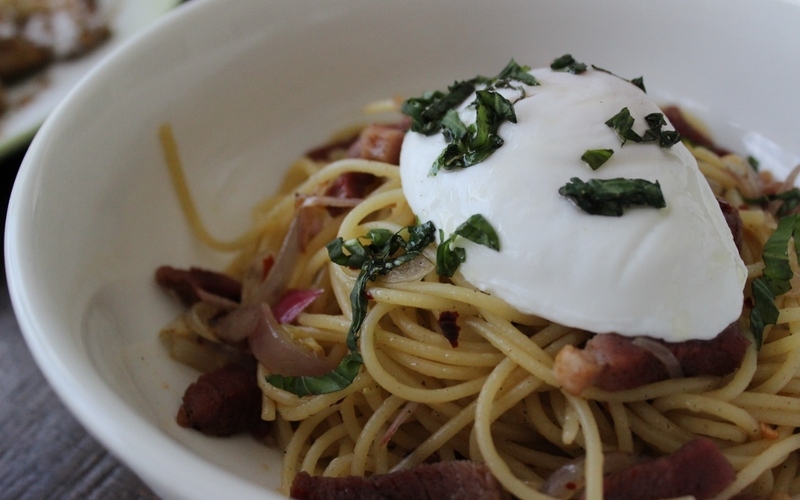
(33, 99)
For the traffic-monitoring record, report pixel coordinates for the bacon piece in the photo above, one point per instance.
(223, 402)
(613, 362)
(379, 142)
(734, 221)
(697, 469)
(192, 285)
(458, 480)
(690, 132)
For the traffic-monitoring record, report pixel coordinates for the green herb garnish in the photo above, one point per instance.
(790, 199)
(611, 196)
(384, 252)
(476, 229)
(427, 112)
(468, 145)
(595, 158)
(639, 81)
(622, 123)
(754, 163)
(568, 63)
(333, 381)
(776, 277)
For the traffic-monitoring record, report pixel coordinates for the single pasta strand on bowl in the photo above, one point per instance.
(375, 357)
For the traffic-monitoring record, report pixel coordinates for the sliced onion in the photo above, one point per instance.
(399, 420)
(198, 317)
(274, 348)
(413, 270)
(306, 220)
(237, 324)
(662, 353)
(570, 478)
(328, 201)
(293, 303)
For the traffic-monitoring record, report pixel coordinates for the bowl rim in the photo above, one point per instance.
(85, 402)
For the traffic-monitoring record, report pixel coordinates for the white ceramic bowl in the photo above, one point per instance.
(250, 84)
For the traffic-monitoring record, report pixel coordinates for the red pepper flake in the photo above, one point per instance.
(571, 486)
(447, 322)
(266, 264)
(368, 295)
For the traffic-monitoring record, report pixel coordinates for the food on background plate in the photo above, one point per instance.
(553, 296)
(36, 33)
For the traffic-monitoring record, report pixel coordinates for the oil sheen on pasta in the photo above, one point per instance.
(672, 273)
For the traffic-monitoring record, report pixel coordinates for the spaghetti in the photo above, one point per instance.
(494, 397)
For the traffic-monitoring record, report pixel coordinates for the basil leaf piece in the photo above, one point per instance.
(568, 63)
(639, 81)
(622, 123)
(790, 199)
(595, 158)
(754, 163)
(776, 277)
(514, 71)
(476, 229)
(448, 258)
(386, 251)
(426, 112)
(471, 145)
(466, 146)
(611, 196)
(336, 380)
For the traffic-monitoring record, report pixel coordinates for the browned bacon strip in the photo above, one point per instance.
(459, 480)
(190, 285)
(379, 142)
(223, 403)
(734, 221)
(614, 363)
(697, 469)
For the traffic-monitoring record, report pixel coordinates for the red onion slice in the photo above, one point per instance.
(413, 270)
(274, 348)
(570, 479)
(293, 303)
(662, 353)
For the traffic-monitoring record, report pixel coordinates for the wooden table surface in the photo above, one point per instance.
(44, 451)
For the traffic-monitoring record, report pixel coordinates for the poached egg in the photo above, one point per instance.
(672, 273)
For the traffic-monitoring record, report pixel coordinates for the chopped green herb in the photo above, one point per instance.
(611, 196)
(385, 252)
(333, 381)
(427, 112)
(568, 63)
(514, 71)
(622, 123)
(476, 229)
(466, 146)
(776, 278)
(790, 199)
(471, 145)
(754, 163)
(639, 82)
(595, 158)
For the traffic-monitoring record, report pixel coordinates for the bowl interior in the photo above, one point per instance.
(247, 87)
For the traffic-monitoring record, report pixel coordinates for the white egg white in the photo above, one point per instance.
(672, 273)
